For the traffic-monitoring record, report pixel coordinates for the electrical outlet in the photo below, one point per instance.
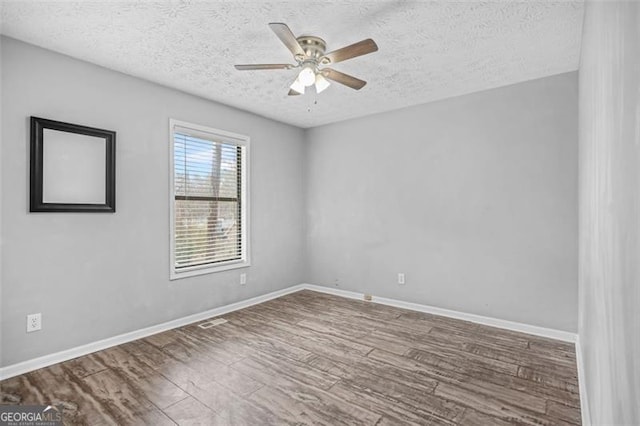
(34, 322)
(401, 278)
(243, 279)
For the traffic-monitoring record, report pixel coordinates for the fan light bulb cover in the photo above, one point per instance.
(321, 83)
(307, 76)
(297, 86)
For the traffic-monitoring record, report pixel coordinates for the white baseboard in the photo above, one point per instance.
(582, 386)
(44, 361)
(565, 336)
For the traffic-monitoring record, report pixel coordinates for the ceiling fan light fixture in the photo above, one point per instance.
(309, 54)
(307, 76)
(297, 86)
(321, 83)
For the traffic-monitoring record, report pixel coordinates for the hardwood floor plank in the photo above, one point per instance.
(426, 347)
(124, 403)
(163, 339)
(224, 375)
(476, 377)
(252, 341)
(301, 392)
(473, 418)
(160, 391)
(286, 408)
(384, 373)
(180, 346)
(246, 413)
(554, 348)
(354, 336)
(387, 420)
(140, 376)
(469, 383)
(57, 386)
(569, 384)
(520, 357)
(564, 412)
(313, 333)
(84, 366)
(117, 358)
(470, 336)
(311, 342)
(425, 320)
(18, 390)
(393, 338)
(299, 371)
(392, 412)
(532, 388)
(200, 386)
(221, 351)
(146, 353)
(519, 354)
(190, 412)
(567, 373)
(492, 406)
(295, 411)
(401, 392)
(445, 366)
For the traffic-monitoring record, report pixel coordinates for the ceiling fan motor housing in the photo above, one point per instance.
(314, 47)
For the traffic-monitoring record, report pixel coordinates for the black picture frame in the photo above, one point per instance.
(36, 204)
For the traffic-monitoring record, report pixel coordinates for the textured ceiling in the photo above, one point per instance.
(428, 50)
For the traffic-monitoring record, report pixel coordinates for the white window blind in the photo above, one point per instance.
(209, 196)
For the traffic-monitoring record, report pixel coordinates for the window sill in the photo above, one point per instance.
(204, 270)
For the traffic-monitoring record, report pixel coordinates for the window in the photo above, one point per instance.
(209, 187)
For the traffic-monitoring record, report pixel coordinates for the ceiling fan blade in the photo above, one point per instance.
(286, 36)
(342, 78)
(264, 67)
(357, 49)
(293, 93)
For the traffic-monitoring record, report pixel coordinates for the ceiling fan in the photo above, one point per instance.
(309, 54)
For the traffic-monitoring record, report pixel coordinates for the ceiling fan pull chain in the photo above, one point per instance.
(315, 102)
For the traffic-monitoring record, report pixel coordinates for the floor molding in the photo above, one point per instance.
(565, 336)
(47, 360)
(582, 386)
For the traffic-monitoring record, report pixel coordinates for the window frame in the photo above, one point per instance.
(216, 135)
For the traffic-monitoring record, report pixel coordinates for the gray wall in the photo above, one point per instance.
(609, 325)
(474, 198)
(94, 276)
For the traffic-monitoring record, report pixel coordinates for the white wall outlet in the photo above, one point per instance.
(401, 278)
(34, 322)
(243, 279)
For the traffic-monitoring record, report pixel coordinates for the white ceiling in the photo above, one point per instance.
(428, 50)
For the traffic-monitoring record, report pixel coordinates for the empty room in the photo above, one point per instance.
(320, 212)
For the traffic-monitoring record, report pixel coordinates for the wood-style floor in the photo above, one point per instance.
(312, 358)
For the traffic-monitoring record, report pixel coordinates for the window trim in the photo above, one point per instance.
(222, 136)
